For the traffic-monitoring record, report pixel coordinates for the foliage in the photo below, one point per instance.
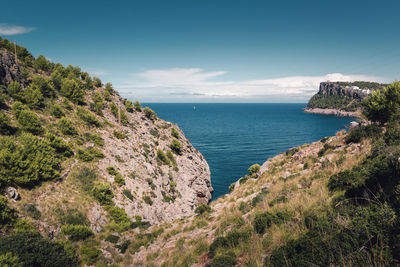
(61, 147)
(114, 109)
(112, 239)
(73, 89)
(7, 214)
(33, 250)
(88, 117)
(89, 253)
(90, 153)
(333, 101)
(149, 113)
(96, 139)
(231, 240)
(120, 218)
(5, 125)
(148, 200)
(32, 211)
(43, 85)
(72, 216)
(325, 148)
(28, 161)
(67, 127)
(382, 106)
(174, 133)
(266, 219)
(98, 104)
(362, 132)
(42, 63)
(119, 135)
(225, 260)
(231, 187)
(102, 193)
(76, 232)
(119, 180)
(57, 111)
(9, 260)
(254, 169)
(28, 120)
(138, 106)
(129, 105)
(111, 170)
(176, 147)
(109, 88)
(128, 194)
(162, 157)
(97, 82)
(202, 209)
(86, 176)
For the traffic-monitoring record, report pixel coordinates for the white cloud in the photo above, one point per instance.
(7, 29)
(97, 72)
(195, 84)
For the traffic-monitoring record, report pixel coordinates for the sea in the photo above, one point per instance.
(232, 137)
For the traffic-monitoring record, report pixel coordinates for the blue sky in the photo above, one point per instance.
(213, 51)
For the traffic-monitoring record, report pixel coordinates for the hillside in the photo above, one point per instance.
(341, 98)
(91, 179)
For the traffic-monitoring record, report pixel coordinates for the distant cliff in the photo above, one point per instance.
(340, 98)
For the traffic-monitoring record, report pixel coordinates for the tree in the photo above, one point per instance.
(15, 90)
(27, 119)
(42, 63)
(73, 90)
(43, 85)
(97, 82)
(383, 106)
(149, 113)
(33, 97)
(176, 147)
(66, 127)
(137, 106)
(128, 105)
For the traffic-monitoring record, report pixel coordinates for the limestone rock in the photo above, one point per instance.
(9, 71)
(12, 193)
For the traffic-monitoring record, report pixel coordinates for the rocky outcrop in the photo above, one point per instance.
(332, 88)
(331, 111)
(9, 70)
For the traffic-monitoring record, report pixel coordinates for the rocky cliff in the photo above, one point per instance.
(9, 70)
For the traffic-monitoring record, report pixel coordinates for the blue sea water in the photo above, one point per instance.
(232, 137)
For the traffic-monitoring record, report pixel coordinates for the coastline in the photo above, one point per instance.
(331, 111)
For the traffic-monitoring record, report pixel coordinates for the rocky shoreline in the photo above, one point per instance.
(331, 111)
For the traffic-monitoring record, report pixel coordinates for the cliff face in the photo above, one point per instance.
(331, 88)
(9, 70)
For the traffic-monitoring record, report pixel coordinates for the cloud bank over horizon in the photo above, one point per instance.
(198, 85)
(8, 29)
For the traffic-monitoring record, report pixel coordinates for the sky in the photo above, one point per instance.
(213, 51)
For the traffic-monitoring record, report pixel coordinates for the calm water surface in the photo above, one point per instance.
(232, 137)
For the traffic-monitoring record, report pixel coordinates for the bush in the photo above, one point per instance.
(27, 119)
(266, 219)
(114, 109)
(88, 117)
(33, 250)
(162, 157)
(42, 63)
(28, 161)
(76, 232)
(112, 171)
(128, 194)
(43, 85)
(72, 216)
(66, 127)
(137, 106)
(119, 180)
(109, 88)
(148, 200)
(7, 214)
(98, 104)
(120, 218)
(32, 97)
(325, 148)
(32, 211)
(123, 117)
(254, 169)
(119, 135)
(73, 90)
(97, 82)
(15, 90)
(61, 147)
(362, 132)
(176, 147)
(103, 193)
(9, 260)
(86, 176)
(89, 253)
(57, 111)
(5, 125)
(230, 241)
(231, 187)
(174, 133)
(149, 113)
(90, 153)
(96, 139)
(129, 105)
(112, 239)
(202, 209)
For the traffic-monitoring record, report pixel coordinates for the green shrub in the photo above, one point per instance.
(167, 197)
(230, 241)
(73, 217)
(119, 180)
(162, 157)
(96, 139)
(137, 106)
(60, 146)
(149, 113)
(362, 132)
(88, 117)
(57, 111)
(129, 105)
(176, 147)
(43, 85)
(90, 153)
(120, 218)
(254, 169)
(28, 161)
(109, 88)
(174, 133)
(32, 211)
(112, 239)
(266, 219)
(66, 127)
(128, 194)
(98, 104)
(231, 187)
(9, 260)
(7, 214)
(97, 82)
(278, 199)
(123, 117)
(73, 89)
(33, 250)
(123, 246)
(5, 125)
(28, 120)
(119, 135)
(76, 232)
(89, 253)
(41, 63)
(325, 148)
(32, 97)
(258, 198)
(102, 193)
(112, 171)
(172, 160)
(114, 109)
(202, 209)
(148, 200)
(15, 90)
